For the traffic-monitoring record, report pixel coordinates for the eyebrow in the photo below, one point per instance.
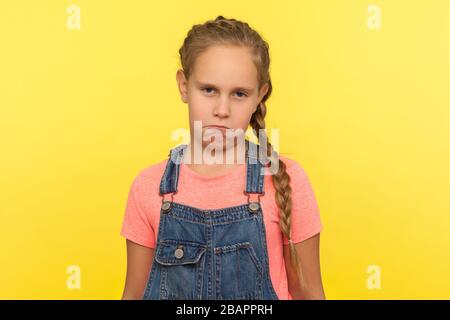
(205, 84)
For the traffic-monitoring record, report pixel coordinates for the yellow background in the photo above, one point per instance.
(366, 112)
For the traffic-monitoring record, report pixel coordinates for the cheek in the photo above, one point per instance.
(197, 113)
(242, 116)
(199, 104)
(246, 108)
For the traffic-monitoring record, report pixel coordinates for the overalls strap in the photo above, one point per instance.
(255, 170)
(169, 180)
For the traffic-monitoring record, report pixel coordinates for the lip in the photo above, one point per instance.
(217, 127)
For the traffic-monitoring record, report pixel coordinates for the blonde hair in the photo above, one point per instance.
(224, 31)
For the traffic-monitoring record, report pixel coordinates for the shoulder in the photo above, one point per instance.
(292, 166)
(144, 187)
(148, 177)
(298, 176)
(152, 172)
(155, 171)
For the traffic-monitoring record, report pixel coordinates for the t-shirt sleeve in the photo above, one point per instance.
(136, 225)
(305, 217)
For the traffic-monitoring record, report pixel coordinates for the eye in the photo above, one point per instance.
(243, 94)
(207, 88)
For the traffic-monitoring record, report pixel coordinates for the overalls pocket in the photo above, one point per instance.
(181, 264)
(239, 272)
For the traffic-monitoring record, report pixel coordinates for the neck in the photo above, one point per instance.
(200, 155)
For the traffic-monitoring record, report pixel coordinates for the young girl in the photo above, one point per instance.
(223, 231)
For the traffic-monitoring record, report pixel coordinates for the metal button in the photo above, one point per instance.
(166, 206)
(179, 253)
(253, 206)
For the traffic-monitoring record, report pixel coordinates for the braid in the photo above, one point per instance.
(281, 182)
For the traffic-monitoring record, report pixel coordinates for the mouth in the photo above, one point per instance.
(216, 127)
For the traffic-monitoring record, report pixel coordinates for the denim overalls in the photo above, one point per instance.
(211, 254)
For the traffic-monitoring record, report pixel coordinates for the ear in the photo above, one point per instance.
(263, 91)
(261, 94)
(182, 85)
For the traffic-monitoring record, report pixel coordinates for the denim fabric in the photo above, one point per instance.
(216, 254)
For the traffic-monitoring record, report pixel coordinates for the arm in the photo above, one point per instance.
(139, 263)
(308, 253)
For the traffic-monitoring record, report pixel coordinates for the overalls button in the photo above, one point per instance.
(179, 253)
(166, 206)
(253, 206)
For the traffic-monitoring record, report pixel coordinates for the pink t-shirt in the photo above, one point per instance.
(142, 213)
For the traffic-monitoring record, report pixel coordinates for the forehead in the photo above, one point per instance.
(226, 66)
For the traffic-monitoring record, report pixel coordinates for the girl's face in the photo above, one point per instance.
(222, 89)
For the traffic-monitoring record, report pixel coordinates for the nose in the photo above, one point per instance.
(222, 109)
